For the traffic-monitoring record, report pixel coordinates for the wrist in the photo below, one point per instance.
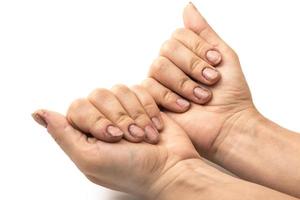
(189, 179)
(194, 179)
(240, 129)
(258, 150)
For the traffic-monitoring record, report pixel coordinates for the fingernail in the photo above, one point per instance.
(190, 3)
(156, 122)
(210, 74)
(136, 131)
(201, 93)
(182, 103)
(151, 133)
(38, 117)
(213, 56)
(114, 131)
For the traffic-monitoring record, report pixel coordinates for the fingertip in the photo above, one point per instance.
(152, 135)
(203, 95)
(211, 75)
(182, 105)
(158, 123)
(191, 17)
(136, 132)
(39, 117)
(214, 57)
(114, 134)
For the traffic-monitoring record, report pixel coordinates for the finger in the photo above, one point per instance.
(69, 139)
(189, 63)
(149, 105)
(194, 21)
(135, 110)
(111, 108)
(87, 118)
(165, 97)
(198, 45)
(179, 82)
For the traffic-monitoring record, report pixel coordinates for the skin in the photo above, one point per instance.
(132, 114)
(228, 130)
(137, 168)
(170, 170)
(173, 169)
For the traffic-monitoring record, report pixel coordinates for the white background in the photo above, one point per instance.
(52, 52)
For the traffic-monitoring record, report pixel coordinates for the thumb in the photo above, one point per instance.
(194, 21)
(68, 138)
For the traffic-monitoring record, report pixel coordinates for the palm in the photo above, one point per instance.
(231, 96)
(126, 166)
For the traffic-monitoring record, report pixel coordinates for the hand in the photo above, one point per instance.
(170, 170)
(137, 168)
(184, 56)
(228, 130)
(108, 115)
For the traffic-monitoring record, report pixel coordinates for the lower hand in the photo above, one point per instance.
(138, 168)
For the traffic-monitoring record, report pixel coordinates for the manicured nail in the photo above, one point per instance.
(183, 103)
(210, 74)
(201, 93)
(156, 122)
(213, 56)
(151, 133)
(38, 117)
(114, 131)
(136, 131)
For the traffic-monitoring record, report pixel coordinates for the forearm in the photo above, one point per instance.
(200, 181)
(262, 152)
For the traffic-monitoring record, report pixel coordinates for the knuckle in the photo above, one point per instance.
(167, 95)
(120, 88)
(136, 87)
(159, 65)
(150, 107)
(199, 46)
(183, 82)
(78, 103)
(98, 93)
(122, 118)
(75, 109)
(146, 83)
(194, 64)
(140, 115)
(99, 122)
(169, 46)
(178, 32)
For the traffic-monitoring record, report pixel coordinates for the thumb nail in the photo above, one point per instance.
(190, 3)
(38, 116)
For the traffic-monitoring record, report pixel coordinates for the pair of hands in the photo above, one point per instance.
(190, 64)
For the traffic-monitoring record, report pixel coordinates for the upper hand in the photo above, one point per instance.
(179, 71)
